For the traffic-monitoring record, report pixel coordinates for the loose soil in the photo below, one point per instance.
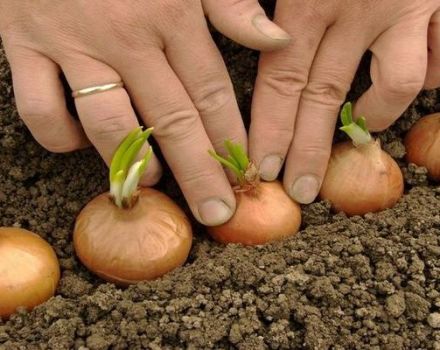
(361, 283)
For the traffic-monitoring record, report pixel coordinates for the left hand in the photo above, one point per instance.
(300, 89)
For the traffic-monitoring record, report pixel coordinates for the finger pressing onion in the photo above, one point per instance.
(265, 213)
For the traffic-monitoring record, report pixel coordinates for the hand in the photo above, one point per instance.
(172, 71)
(300, 89)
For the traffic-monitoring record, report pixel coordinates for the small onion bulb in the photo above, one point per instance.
(264, 214)
(129, 245)
(361, 179)
(29, 270)
(423, 144)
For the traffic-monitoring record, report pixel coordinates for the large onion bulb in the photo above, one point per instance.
(130, 245)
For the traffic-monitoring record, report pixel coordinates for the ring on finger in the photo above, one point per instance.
(96, 89)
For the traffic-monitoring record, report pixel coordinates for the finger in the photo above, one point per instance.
(433, 74)
(282, 75)
(163, 103)
(245, 22)
(398, 71)
(107, 117)
(330, 78)
(201, 69)
(41, 103)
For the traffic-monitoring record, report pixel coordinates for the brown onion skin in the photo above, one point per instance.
(29, 270)
(126, 246)
(423, 144)
(263, 215)
(361, 179)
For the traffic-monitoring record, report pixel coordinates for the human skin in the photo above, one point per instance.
(177, 81)
(171, 68)
(299, 90)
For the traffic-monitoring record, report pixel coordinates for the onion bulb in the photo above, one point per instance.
(264, 213)
(29, 270)
(126, 246)
(130, 235)
(360, 177)
(423, 144)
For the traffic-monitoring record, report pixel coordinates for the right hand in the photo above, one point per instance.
(172, 71)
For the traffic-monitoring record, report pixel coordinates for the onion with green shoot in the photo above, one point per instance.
(264, 213)
(131, 234)
(361, 177)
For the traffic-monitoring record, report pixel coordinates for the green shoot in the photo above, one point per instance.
(237, 160)
(124, 174)
(356, 129)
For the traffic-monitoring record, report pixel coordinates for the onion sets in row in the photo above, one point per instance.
(29, 270)
(264, 211)
(129, 234)
(361, 177)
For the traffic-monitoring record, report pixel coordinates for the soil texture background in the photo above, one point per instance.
(369, 282)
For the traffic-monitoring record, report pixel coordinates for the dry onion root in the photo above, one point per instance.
(265, 213)
(29, 270)
(423, 144)
(131, 235)
(361, 177)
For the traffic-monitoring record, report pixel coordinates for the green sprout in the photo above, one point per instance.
(356, 129)
(237, 160)
(125, 174)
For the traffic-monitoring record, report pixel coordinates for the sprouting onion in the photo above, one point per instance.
(264, 212)
(131, 234)
(360, 177)
(124, 175)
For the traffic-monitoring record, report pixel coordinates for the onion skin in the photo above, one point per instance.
(29, 270)
(423, 144)
(263, 215)
(361, 179)
(126, 246)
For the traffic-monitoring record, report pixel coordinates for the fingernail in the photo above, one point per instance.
(305, 189)
(268, 28)
(214, 212)
(270, 167)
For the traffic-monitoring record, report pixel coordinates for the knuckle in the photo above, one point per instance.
(102, 126)
(381, 124)
(283, 133)
(36, 108)
(330, 92)
(176, 11)
(58, 146)
(196, 177)
(213, 98)
(286, 82)
(403, 85)
(43, 119)
(175, 125)
(313, 150)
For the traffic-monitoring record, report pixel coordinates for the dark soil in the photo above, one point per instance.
(359, 283)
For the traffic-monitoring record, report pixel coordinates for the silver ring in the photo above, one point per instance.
(96, 89)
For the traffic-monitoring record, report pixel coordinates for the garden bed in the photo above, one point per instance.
(368, 282)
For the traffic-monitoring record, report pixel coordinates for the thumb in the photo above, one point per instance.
(245, 22)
